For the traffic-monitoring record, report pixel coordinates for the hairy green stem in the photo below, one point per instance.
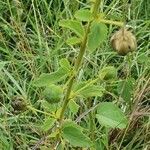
(72, 78)
(66, 99)
(77, 63)
(96, 7)
(91, 120)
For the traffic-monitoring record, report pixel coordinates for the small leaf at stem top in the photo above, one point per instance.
(73, 25)
(97, 35)
(83, 15)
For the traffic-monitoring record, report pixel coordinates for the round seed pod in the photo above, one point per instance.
(18, 104)
(123, 41)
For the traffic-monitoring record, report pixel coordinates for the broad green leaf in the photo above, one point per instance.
(48, 78)
(79, 86)
(81, 89)
(73, 25)
(97, 35)
(48, 107)
(53, 93)
(110, 115)
(108, 73)
(73, 106)
(2, 64)
(84, 15)
(64, 63)
(91, 91)
(74, 136)
(54, 134)
(48, 123)
(125, 89)
(69, 123)
(73, 41)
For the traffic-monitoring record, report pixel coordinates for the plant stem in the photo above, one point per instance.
(66, 99)
(118, 23)
(77, 63)
(91, 120)
(34, 110)
(72, 78)
(96, 7)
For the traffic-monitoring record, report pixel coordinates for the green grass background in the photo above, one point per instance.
(31, 43)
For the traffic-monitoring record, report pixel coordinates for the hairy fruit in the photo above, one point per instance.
(123, 41)
(53, 93)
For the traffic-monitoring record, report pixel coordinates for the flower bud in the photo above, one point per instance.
(123, 41)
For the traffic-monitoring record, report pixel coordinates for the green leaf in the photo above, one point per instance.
(78, 86)
(48, 107)
(69, 123)
(108, 73)
(48, 123)
(84, 15)
(110, 115)
(64, 63)
(49, 78)
(91, 91)
(73, 41)
(74, 136)
(2, 64)
(73, 25)
(81, 89)
(53, 93)
(73, 106)
(125, 89)
(98, 34)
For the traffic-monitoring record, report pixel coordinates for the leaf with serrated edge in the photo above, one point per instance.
(48, 123)
(83, 15)
(73, 25)
(109, 115)
(81, 89)
(73, 106)
(108, 73)
(97, 35)
(64, 63)
(75, 136)
(46, 79)
(73, 41)
(125, 89)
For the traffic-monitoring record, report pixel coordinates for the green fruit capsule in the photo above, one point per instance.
(108, 73)
(53, 93)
